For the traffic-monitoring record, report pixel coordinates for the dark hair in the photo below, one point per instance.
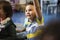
(30, 3)
(7, 8)
(52, 28)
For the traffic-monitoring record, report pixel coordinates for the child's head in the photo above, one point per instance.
(30, 10)
(52, 30)
(5, 9)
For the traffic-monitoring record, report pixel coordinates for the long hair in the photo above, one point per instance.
(7, 8)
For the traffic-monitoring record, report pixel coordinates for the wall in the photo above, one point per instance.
(22, 2)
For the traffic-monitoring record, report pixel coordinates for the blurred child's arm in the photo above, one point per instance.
(18, 31)
(38, 9)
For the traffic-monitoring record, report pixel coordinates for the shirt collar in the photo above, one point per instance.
(5, 21)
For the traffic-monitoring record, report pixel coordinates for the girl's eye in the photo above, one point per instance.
(25, 10)
(30, 9)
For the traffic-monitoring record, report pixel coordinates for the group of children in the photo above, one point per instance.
(34, 22)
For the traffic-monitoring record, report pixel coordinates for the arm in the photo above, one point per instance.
(38, 9)
(18, 31)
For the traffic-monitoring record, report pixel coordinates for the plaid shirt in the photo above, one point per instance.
(33, 29)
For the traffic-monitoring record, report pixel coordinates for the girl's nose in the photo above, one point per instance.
(27, 12)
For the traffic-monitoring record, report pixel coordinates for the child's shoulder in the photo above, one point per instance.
(40, 21)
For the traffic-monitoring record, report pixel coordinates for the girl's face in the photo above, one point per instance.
(2, 15)
(30, 12)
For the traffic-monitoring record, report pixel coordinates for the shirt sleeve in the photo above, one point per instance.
(26, 20)
(40, 22)
(34, 32)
